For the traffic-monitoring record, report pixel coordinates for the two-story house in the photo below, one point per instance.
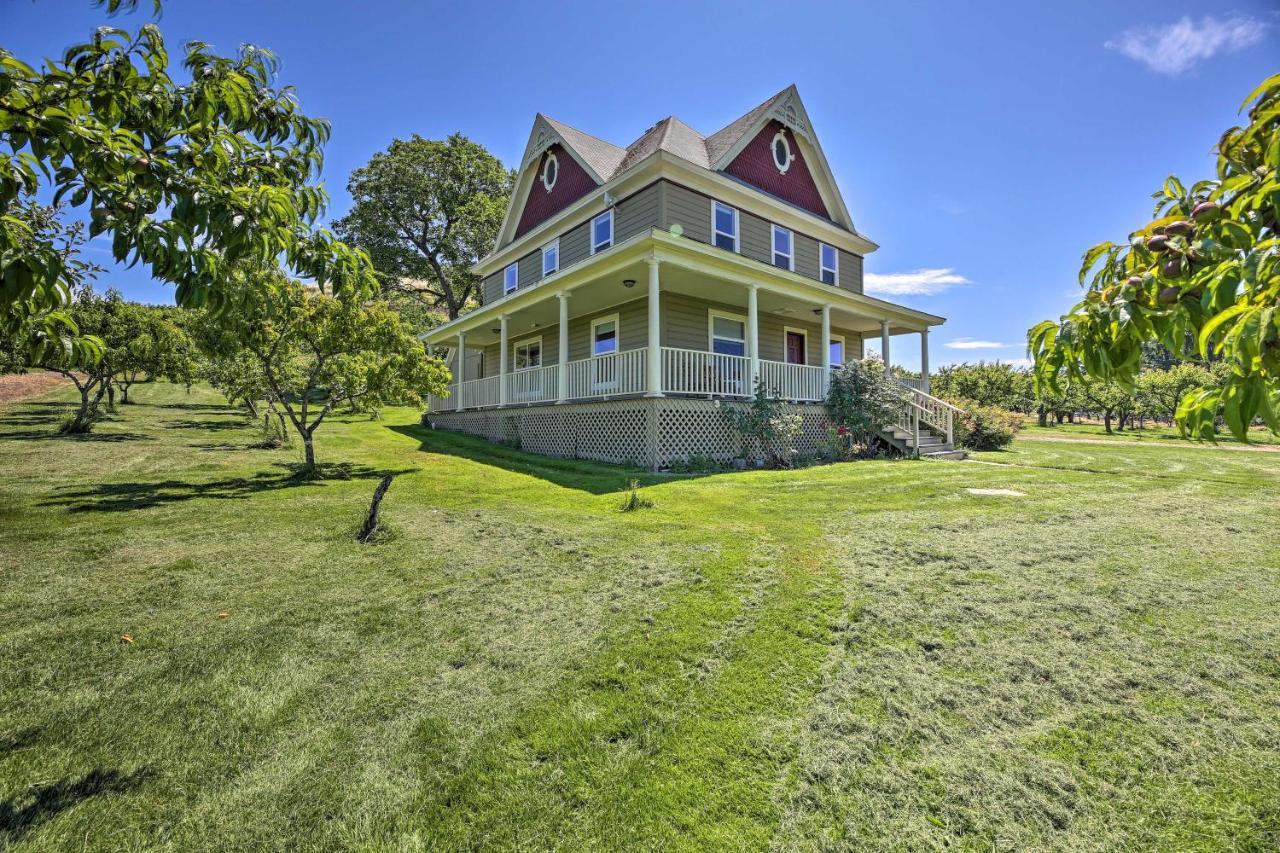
(631, 289)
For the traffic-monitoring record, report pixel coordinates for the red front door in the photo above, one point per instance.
(795, 348)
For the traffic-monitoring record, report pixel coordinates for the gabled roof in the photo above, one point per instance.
(728, 137)
(601, 157)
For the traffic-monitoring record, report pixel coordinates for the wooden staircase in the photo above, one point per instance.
(925, 428)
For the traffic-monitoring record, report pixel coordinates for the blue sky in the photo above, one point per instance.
(983, 146)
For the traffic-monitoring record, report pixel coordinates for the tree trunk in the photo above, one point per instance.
(252, 406)
(1059, 416)
(1106, 420)
(1071, 417)
(310, 450)
(1044, 416)
(371, 520)
(111, 396)
(124, 393)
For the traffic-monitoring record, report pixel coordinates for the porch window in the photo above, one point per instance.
(528, 354)
(725, 219)
(602, 232)
(551, 257)
(837, 350)
(728, 334)
(510, 278)
(782, 254)
(604, 335)
(829, 261)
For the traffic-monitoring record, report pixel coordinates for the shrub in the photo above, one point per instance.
(860, 403)
(985, 427)
(80, 422)
(634, 500)
(765, 429)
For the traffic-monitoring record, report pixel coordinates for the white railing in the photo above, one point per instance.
(608, 375)
(479, 393)
(438, 403)
(925, 409)
(913, 384)
(533, 385)
(686, 371)
(793, 381)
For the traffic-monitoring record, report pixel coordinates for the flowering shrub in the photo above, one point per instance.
(765, 429)
(860, 403)
(985, 427)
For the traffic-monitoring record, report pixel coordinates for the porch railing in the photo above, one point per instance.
(802, 382)
(608, 375)
(478, 393)
(926, 409)
(686, 371)
(534, 385)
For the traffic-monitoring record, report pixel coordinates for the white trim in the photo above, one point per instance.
(551, 160)
(591, 234)
(773, 247)
(617, 334)
(835, 270)
(554, 245)
(773, 151)
(844, 348)
(712, 314)
(515, 283)
(804, 333)
(515, 353)
(715, 231)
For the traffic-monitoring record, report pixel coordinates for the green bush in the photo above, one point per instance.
(985, 427)
(861, 402)
(764, 428)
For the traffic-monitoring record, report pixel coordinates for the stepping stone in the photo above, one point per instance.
(1009, 493)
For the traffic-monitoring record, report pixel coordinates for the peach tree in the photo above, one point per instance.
(1208, 266)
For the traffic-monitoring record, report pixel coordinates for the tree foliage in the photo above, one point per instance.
(862, 401)
(1208, 266)
(426, 210)
(317, 352)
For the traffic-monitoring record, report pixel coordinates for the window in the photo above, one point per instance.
(829, 263)
(602, 232)
(728, 333)
(551, 257)
(782, 155)
(725, 226)
(528, 354)
(604, 335)
(795, 344)
(836, 345)
(510, 278)
(550, 171)
(782, 255)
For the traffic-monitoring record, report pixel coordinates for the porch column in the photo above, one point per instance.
(826, 347)
(884, 347)
(753, 336)
(562, 392)
(502, 360)
(460, 362)
(654, 367)
(924, 360)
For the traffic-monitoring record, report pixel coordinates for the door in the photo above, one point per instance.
(795, 348)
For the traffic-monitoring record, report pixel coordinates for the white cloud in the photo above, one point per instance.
(1175, 48)
(918, 283)
(970, 343)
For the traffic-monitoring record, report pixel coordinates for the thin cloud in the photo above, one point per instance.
(919, 283)
(970, 343)
(1175, 48)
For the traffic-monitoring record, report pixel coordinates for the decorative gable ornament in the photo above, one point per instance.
(783, 156)
(550, 171)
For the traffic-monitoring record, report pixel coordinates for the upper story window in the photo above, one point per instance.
(550, 171)
(510, 278)
(725, 222)
(782, 155)
(602, 232)
(828, 263)
(551, 257)
(783, 256)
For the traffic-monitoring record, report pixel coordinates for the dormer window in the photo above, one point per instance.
(783, 256)
(602, 232)
(550, 171)
(782, 155)
(510, 278)
(725, 220)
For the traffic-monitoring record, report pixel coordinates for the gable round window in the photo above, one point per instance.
(550, 171)
(782, 155)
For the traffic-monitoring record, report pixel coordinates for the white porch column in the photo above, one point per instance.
(460, 362)
(654, 368)
(826, 347)
(884, 347)
(502, 360)
(753, 336)
(562, 392)
(924, 360)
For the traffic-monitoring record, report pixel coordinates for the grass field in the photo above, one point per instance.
(1152, 432)
(862, 655)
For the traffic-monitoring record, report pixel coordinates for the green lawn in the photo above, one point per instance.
(1152, 432)
(857, 655)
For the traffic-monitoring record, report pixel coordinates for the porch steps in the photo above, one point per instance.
(933, 444)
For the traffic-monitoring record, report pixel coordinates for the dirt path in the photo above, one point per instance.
(20, 386)
(1200, 445)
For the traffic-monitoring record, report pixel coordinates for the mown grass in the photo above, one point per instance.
(1150, 431)
(855, 655)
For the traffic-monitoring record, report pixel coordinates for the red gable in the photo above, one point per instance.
(571, 183)
(755, 165)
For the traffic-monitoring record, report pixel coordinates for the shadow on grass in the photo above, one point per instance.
(52, 434)
(598, 478)
(122, 497)
(23, 813)
(210, 426)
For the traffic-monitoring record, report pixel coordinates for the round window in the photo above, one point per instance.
(782, 155)
(550, 171)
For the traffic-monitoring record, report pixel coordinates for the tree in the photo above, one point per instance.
(142, 341)
(187, 178)
(1108, 398)
(317, 352)
(426, 210)
(1207, 265)
(987, 383)
(1160, 391)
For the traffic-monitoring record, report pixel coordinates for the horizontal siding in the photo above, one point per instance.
(685, 324)
(636, 213)
(850, 271)
(688, 209)
(633, 320)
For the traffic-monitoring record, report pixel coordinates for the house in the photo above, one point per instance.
(632, 290)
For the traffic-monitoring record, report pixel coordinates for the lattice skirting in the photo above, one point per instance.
(649, 433)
